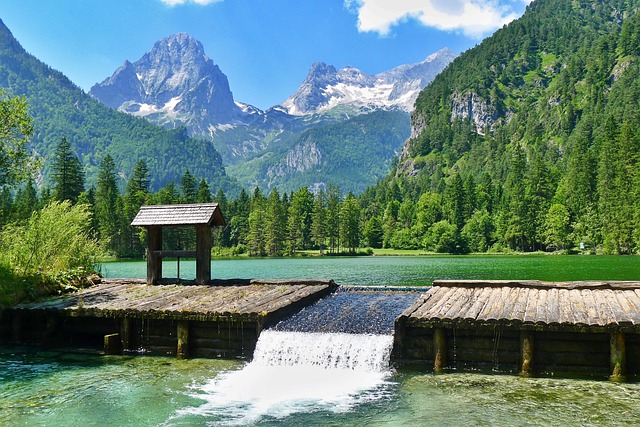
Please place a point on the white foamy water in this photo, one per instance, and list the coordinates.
(296, 372)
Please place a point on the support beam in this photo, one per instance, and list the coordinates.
(618, 356)
(203, 254)
(439, 350)
(154, 262)
(183, 339)
(526, 353)
(125, 333)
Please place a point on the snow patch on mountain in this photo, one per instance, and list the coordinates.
(326, 87)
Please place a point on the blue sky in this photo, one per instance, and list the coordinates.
(265, 47)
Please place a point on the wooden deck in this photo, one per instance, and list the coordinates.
(223, 319)
(599, 306)
(590, 328)
(250, 300)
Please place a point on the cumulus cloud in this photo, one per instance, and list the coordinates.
(181, 2)
(474, 18)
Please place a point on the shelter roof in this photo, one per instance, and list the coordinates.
(179, 215)
(545, 304)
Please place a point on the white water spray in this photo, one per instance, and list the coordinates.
(296, 372)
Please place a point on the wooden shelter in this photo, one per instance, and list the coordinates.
(201, 216)
(590, 327)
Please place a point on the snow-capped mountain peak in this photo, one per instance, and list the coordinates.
(326, 87)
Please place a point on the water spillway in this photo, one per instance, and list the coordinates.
(327, 358)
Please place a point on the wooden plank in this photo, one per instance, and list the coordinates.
(553, 306)
(620, 311)
(577, 308)
(489, 308)
(478, 305)
(541, 309)
(436, 296)
(520, 305)
(532, 306)
(592, 316)
(509, 297)
(464, 300)
(631, 303)
(565, 308)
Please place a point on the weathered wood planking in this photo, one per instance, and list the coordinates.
(538, 304)
(120, 298)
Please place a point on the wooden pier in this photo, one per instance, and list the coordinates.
(525, 326)
(123, 315)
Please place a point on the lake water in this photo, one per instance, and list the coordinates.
(401, 271)
(284, 384)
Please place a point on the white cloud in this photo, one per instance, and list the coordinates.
(474, 18)
(181, 2)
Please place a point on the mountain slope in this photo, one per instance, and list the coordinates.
(61, 109)
(531, 139)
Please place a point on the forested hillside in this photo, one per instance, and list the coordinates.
(60, 109)
(351, 154)
(528, 141)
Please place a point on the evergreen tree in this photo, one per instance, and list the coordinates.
(319, 221)
(108, 207)
(203, 193)
(189, 187)
(67, 174)
(350, 223)
(334, 196)
(26, 202)
(299, 220)
(274, 224)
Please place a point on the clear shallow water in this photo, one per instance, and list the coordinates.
(63, 389)
(403, 271)
(57, 389)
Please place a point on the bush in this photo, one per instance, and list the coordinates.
(52, 252)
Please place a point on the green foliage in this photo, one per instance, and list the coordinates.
(15, 130)
(51, 252)
(67, 175)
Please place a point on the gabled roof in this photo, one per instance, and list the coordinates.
(179, 215)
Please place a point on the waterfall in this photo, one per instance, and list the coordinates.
(308, 370)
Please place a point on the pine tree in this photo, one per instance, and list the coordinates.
(350, 223)
(334, 196)
(319, 221)
(109, 209)
(189, 187)
(274, 224)
(67, 174)
(203, 193)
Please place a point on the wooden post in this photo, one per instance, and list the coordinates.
(203, 254)
(154, 262)
(526, 353)
(125, 333)
(183, 339)
(618, 356)
(439, 350)
(112, 344)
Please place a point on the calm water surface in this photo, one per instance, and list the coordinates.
(403, 271)
(67, 389)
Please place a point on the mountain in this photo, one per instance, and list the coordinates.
(326, 88)
(174, 84)
(529, 141)
(61, 109)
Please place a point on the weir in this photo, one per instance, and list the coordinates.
(329, 356)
